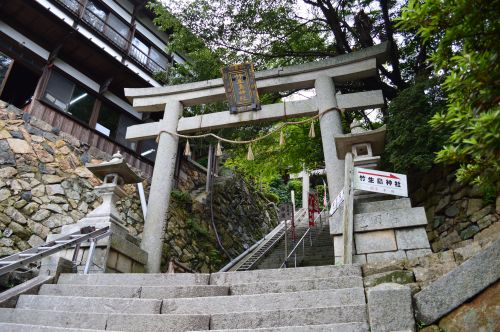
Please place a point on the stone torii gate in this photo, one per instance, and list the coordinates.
(321, 75)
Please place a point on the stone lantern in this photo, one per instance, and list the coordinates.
(114, 174)
(120, 252)
(379, 228)
(366, 146)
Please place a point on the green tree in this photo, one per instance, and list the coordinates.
(465, 34)
(274, 33)
(411, 141)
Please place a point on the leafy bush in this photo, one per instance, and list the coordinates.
(272, 197)
(464, 39)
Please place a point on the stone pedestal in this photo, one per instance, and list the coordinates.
(117, 253)
(383, 230)
(390, 308)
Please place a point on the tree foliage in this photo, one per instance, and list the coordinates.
(411, 142)
(272, 159)
(273, 33)
(465, 33)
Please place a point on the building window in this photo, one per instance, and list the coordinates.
(107, 23)
(148, 149)
(81, 104)
(117, 31)
(114, 123)
(69, 97)
(5, 65)
(72, 5)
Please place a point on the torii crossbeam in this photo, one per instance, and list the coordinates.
(321, 75)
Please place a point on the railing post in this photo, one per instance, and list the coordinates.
(347, 218)
(90, 256)
(286, 242)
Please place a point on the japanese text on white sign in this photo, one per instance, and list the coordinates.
(380, 182)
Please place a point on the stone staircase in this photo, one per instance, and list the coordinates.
(276, 256)
(321, 251)
(318, 249)
(323, 298)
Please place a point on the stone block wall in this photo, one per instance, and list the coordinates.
(457, 213)
(419, 272)
(241, 217)
(191, 175)
(392, 231)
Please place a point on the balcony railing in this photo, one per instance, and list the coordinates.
(106, 31)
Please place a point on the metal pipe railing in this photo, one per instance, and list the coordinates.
(270, 235)
(301, 241)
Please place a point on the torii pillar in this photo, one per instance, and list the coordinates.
(331, 126)
(161, 187)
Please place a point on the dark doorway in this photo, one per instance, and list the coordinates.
(19, 86)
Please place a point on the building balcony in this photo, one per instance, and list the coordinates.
(117, 33)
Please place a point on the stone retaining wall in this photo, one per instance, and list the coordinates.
(419, 272)
(456, 213)
(479, 314)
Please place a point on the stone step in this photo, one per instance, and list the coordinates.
(393, 204)
(293, 317)
(296, 285)
(101, 321)
(243, 277)
(341, 327)
(315, 263)
(89, 304)
(143, 292)
(318, 256)
(269, 301)
(136, 279)
(10, 327)
(324, 251)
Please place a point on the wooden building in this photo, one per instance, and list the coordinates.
(67, 62)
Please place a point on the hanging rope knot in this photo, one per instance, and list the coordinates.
(163, 131)
(331, 109)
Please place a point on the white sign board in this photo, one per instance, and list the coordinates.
(336, 202)
(380, 182)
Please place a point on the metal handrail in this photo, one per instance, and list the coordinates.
(134, 52)
(301, 241)
(268, 236)
(24, 258)
(278, 239)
